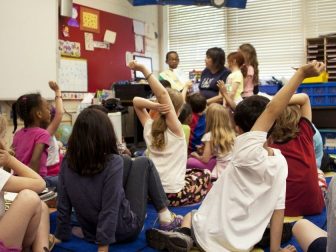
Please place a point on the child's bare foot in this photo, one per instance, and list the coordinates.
(77, 231)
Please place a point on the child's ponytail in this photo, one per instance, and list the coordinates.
(159, 125)
(14, 116)
(158, 129)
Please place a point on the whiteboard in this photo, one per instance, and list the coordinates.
(28, 47)
(73, 75)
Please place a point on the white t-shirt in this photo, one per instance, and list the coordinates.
(4, 176)
(53, 152)
(170, 162)
(236, 211)
(222, 160)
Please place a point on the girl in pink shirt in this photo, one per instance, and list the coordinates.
(251, 81)
(32, 141)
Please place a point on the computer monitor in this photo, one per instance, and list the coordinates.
(147, 61)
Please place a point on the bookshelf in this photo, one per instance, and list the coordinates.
(323, 49)
(331, 57)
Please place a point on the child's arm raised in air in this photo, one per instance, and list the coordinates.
(141, 105)
(59, 108)
(185, 89)
(162, 96)
(277, 105)
(303, 101)
(26, 178)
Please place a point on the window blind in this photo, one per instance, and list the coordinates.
(193, 30)
(320, 17)
(274, 28)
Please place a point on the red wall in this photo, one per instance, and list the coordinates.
(104, 66)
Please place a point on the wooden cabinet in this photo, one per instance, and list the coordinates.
(323, 49)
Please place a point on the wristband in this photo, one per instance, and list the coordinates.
(148, 76)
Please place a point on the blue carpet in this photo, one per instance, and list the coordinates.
(76, 244)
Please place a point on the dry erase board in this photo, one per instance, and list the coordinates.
(73, 75)
(28, 47)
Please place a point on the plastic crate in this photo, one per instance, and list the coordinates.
(269, 89)
(329, 140)
(320, 94)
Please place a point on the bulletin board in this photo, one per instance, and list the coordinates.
(104, 66)
(72, 75)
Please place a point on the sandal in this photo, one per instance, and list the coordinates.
(52, 241)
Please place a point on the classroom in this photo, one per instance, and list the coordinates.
(154, 125)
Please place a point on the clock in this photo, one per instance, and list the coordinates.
(218, 3)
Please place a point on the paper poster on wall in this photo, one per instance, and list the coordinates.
(88, 39)
(139, 27)
(139, 44)
(89, 20)
(72, 75)
(150, 30)
(128, 57)
(69, 48)
(110, 36)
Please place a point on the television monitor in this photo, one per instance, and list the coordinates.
(147, 61)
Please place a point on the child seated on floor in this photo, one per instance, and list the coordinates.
(25, 226)
(166, 143)
(197, 126)
(314, 239)
(185, 118)
(32, 141)
(108, 192)
(293, 135)
(218, 141)
(251, 191)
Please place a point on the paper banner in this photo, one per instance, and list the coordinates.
(100, 44)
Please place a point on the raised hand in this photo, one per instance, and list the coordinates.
(312, 69)
(136, 66)
(162, 108)
(54, 86)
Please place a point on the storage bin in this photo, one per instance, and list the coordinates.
(320, 94)
(323, 77)
(329, 140)
(269, 89)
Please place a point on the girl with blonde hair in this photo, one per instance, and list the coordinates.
(166, 143)
(218, 141)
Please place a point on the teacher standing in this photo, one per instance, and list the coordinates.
(213, 72)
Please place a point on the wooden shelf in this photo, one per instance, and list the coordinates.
(323, 49)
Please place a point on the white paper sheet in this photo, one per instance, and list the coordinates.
(139, 27)
(110, 36)
(139, 44)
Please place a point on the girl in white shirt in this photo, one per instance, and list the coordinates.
(218, 140)
(166, 143)
(25, 226)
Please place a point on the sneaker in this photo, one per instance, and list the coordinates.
(175, 223)
(172, 241)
